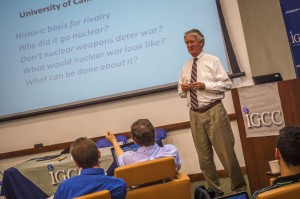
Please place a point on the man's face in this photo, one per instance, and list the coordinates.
(194, 47)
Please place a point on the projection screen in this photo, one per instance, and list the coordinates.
(63, 54)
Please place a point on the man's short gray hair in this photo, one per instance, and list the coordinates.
(196, 33)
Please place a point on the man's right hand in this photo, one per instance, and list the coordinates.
(185, 87)
(110, 137)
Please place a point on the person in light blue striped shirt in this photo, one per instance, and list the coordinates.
(143, 134)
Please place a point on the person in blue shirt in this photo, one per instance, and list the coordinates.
(143, 134)
(92, 178)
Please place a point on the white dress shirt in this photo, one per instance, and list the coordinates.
(211, 72)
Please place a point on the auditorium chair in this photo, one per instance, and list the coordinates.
(103, 142)
(160, 136)
(291, 191)
(155, 179)
(104, 194)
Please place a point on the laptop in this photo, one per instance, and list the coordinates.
(125, 147)
(239, 195)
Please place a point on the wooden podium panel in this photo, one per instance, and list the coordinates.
(289, 92)
(259, 150)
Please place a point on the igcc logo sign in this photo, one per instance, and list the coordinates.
(266, 118)
(295, 38)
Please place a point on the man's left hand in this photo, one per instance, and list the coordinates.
(198, 86)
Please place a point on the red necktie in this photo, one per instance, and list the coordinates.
(194, 101)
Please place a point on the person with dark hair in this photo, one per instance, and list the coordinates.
(92, 178)
(203, 82)
(287, 153)
(143, 134)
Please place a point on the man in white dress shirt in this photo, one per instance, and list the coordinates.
(209, 121)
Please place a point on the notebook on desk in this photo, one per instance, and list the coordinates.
(239, 195)
(125, 147)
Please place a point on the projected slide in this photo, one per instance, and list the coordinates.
(56, 53)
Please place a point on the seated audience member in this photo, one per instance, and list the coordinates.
(288, 155)
(143, 134)
(92, 178)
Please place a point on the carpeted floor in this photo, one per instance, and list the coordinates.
(225, 185)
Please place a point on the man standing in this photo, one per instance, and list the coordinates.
(203, 82)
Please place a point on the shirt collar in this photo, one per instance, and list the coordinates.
(292, 178)
(147, 148)
(92, 171)
(200, 55)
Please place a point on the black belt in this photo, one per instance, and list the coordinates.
(206, 108)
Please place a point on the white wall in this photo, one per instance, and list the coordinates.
(161, 108)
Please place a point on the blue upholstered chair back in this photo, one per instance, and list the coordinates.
(161, 134)
(103, 142)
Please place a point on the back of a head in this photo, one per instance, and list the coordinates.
(85, 153)
(143, 132)
(288, 143)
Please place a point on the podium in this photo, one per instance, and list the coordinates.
(259, 150)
